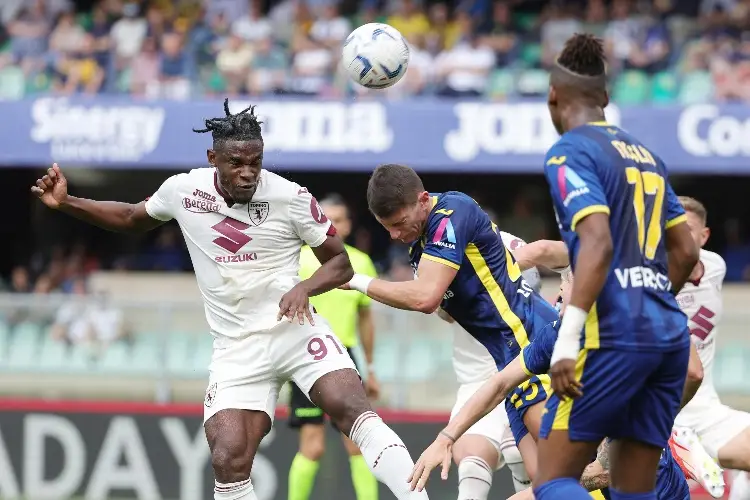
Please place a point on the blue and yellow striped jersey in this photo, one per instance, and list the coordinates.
(599, 168)
(488, 297)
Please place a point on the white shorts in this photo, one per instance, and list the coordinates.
(248, 373)
(492, 426)
(716, 426)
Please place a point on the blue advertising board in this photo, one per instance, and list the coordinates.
(434, 135)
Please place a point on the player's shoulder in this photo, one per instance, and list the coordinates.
(713, 263)
(453, 200)
(511, 241)
(572, 147)
(275, 188)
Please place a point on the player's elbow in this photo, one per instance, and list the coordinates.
(428, 302)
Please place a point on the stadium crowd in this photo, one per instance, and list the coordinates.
(660, 50)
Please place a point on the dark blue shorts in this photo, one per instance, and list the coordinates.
(626, 395)
(534, 391)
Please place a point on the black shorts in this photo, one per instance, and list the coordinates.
(301, 409)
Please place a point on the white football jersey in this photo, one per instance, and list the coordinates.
(701, 301)
(471, 360)
(245, 256)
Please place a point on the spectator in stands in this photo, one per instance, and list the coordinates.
(560, 24)
(595, 21)
(500, 34)
(28, 32)
(167, 253)
(79, 71)
(621, 36)
(268, 68)
(233, 61)
(330, 28)
(176, 68)
(252, 26)
(408, 19)
(144, 70)
(464, 70)
(312, 64)
(652, 50)
(418, 79)
(128, 34)
(71, 324)
(444, 33)
(67, 36)
(100, 31)
(106, 322)
(156, 23)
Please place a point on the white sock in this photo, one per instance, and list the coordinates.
(386, 455)
(740, 489)
(242, 490)
(474, 479)
(514, 462)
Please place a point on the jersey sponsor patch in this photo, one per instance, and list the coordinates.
(445, 236)
(567, 176)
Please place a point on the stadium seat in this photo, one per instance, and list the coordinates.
(80, 359)
(419, 353)
(180, 352)
(147, 355)
(12, 83)
(3, 341)
(501, 84)
(202, 357)
(122, 83)
(53, 354)
(24, 347)
(533, 82)
(38, 83)
(696, 87)
(728, 364)
(386, 359)
(664, 88)
(531, 55)
(631, 87)
(117, 358)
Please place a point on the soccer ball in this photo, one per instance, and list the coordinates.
(375, 55)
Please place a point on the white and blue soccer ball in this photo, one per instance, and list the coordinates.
(375, 55)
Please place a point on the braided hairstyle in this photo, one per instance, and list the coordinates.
(584, 55)
(243, 126)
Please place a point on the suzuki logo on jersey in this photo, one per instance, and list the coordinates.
(703, 325)
(565, 176)
(642, 277)
(232, 238)
(445, 236)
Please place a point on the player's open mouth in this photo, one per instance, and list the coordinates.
(249, 187)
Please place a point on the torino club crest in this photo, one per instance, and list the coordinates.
(258, 212)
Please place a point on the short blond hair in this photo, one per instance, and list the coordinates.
(694, 206)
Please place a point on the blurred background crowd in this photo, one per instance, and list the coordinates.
(662, 50)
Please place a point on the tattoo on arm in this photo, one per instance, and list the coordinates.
(602, 456)
(594, 478)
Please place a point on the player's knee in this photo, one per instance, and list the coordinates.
(231, 462)
(312, 442)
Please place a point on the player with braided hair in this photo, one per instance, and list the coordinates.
(620, 361)
(245, 228)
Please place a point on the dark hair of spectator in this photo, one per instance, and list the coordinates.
(584, 55)
(243, 126)
(392, 187)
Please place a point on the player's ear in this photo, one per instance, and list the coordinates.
(211, 157)
(423, 197)
(706, 234)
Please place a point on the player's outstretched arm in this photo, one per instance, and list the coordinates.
(335, 269)
(694, 377)
(480, 404)
(52, 190)
(542, 253)
(422, 294)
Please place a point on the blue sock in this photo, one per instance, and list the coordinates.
(618, 495)
(566, 488)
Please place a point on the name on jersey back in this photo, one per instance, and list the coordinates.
(642, 277)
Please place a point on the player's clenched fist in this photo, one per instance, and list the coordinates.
(52, 189)
(296, 304)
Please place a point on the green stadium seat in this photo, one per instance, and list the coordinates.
(123, 81)
(420, 356)
(53, 354)
(80, 359)
(39, 83)
(4, 339)
(12, 83)
(148, 354)
(664, 88)
(533, 82)
(180, 352)
(525, 21)
(531, 54)
(386, 355)
(696, 87)
(631, 87)
(117, 358)
(501, 84)
(24, 347)
(202, 358)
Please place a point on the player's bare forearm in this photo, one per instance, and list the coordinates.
(594, 477)
(593, 260)
(682, 255)
(366, 327)
(694, 377)
(408, 295)
(335, 269)
(542, 253)
(487, 398)
(111, 215)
